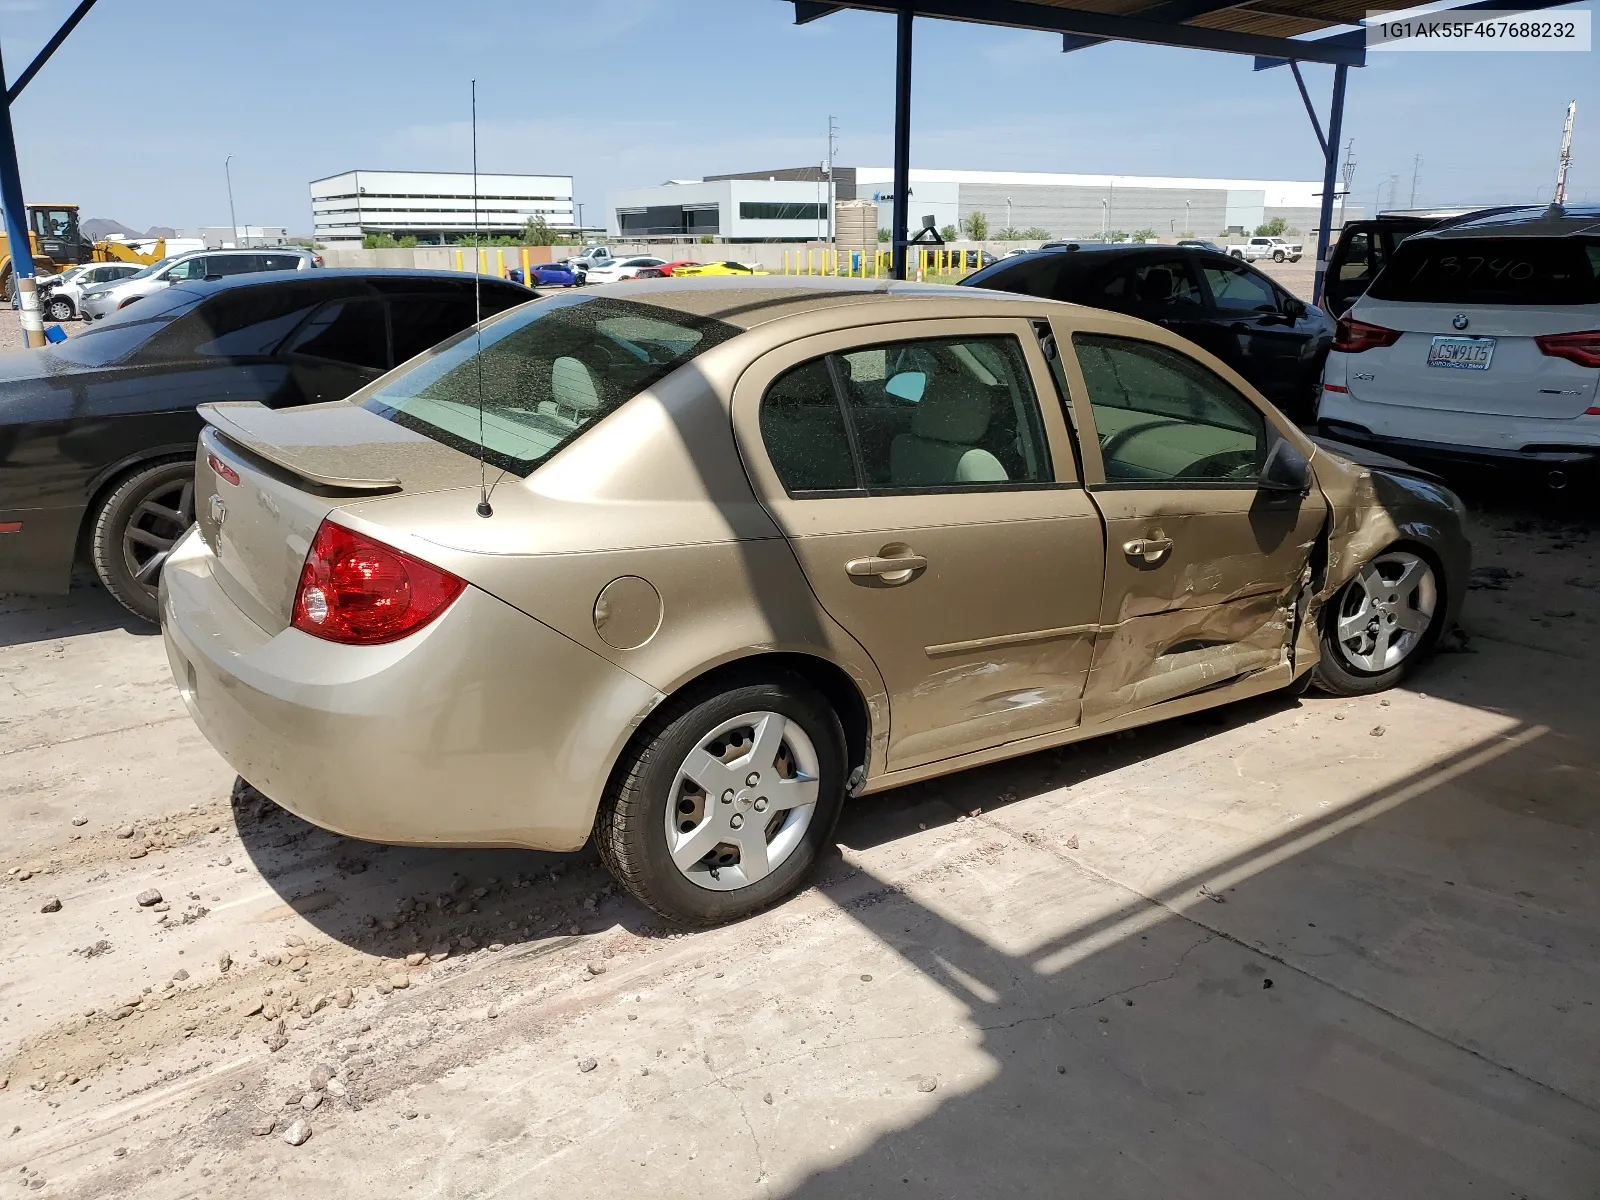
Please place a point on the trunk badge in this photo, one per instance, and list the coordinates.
(1459, 320)
(219, 510)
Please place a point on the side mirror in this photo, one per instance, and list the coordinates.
(907, 386)
(1287, 471)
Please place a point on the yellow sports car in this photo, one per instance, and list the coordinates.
(716, 268)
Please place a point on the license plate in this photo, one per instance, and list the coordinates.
(1462, 353)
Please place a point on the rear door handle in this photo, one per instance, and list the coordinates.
(1151, 549)
(898, 569)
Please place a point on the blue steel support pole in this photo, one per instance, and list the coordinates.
(16, 216)
(1330, 175)
(901, 207)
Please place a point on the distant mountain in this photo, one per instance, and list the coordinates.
(96, 228)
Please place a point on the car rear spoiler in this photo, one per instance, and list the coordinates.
(247, 424)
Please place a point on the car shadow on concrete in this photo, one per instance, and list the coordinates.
(392, 901)
(87, 608)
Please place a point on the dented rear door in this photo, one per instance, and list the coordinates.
(1203, 568)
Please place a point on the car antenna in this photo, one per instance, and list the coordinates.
(484, 509)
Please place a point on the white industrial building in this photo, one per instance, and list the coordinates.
(435, 206)
(792, 204)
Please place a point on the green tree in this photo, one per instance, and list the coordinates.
(1144, 235)
(1008, 234)
(883, 235)
(1276, 227)
(706, 239)
(977, 226)
(1116, 235)
(379, 241)
(949, 233)
(537, 232)
(1034, 234)
(408, 242)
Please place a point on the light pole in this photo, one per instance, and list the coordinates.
(1008, 212)
(228, 174)
(1188, 225)
(579, 204)
(1105, 218)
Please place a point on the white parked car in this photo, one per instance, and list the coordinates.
(1478, 342)
(1275, 248)
(104, 299)
(61, 296)
(622, 268)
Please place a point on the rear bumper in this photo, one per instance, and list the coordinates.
(38, 557)
(486, 728)
(1570, 460)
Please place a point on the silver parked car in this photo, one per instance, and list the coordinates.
(105, 299)
(61, 296)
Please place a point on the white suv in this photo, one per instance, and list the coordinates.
(1479, 342)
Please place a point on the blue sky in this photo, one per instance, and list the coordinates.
(135, 114)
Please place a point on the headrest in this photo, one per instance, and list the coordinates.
(952, 410)
(572, 385)
(1157, 285)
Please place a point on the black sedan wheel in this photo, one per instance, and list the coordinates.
(137, 527)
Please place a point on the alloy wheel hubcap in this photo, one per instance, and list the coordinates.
(742, 801)
(1385, 611)
(161, 518)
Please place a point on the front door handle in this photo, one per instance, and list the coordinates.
(898, 569)
(1150, 549)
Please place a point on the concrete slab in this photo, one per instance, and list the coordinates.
(1265, 951)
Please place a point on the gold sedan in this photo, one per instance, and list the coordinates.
(683, 565)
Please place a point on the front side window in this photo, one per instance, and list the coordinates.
(1164, 284)
(938, 413)
(534, 379)
(1162, 418)
(189, 268)
(1238, 289)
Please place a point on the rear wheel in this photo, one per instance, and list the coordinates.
(1380, 625)
(725, 801)
(136, 528)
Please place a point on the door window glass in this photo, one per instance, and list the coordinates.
(1362, 257)
(346, 331)
(279, 262)
(802, 427)
(1164, 284)
(235, 322)
(232, 264)
(189, 268)
(422, 322)
(946, 412)
(1163, 418)
(1236, 288)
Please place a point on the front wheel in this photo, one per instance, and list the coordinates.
(724, 802)
(137, 527)
(1277, 256)
(1379, 625)
(60, 309)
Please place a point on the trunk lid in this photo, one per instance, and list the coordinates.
(282, 472)
(1520, 381)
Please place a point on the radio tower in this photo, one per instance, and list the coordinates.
(1566, 155)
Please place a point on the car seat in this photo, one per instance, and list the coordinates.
(942, 447)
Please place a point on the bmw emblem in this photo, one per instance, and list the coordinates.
(1459, 320)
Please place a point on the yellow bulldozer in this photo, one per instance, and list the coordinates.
(57, 243)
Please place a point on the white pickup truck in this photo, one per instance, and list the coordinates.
(1274, 248)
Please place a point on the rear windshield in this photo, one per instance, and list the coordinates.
(1523, 270)
(533, 380)
(123, 334)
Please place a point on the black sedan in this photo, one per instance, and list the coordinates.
(1275, 340)
(98, 433)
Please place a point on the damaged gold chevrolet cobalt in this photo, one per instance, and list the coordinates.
(682, 566)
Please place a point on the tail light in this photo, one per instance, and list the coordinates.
(357, 591)
(1352, 336)
(316, 261)
(222, 469)
(1581, 348)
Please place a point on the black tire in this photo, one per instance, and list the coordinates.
(131, 526)
(630, 831)
(60, 309)
(1277, 256)
(1336, 677)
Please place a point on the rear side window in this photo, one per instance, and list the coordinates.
(237, 322)
(232, 264)
(537, 377)
(940, 413)
(280, 262)
(1521, 270)
(345, 331)
(422, 322)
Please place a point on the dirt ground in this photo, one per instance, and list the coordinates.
(1315, 948)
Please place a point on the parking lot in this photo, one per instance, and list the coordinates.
(1289, 948)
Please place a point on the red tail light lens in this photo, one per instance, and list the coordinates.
(1581, 348)
(222, 469)
(1352, 336)
(357, 591)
